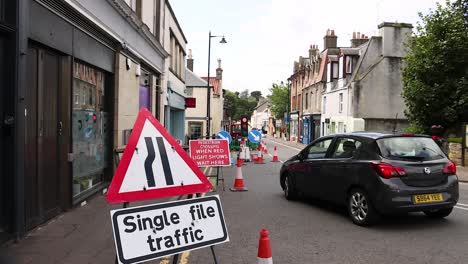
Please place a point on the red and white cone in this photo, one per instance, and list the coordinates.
(265, 149)
(275, 155)
(260, 158)
(264, 249)
(241, 156)
(239, 181)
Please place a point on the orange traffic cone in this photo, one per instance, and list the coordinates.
(242, 156)
(260, 158)
(239, 181)
(265, 149)
(264, 249)
(275, 155)
(240, 162)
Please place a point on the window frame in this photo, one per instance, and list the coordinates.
(345, 138)
(305, 153)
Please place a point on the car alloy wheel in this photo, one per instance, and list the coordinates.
(360, 208)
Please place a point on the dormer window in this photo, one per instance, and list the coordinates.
(335, 70)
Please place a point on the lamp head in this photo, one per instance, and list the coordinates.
(223, 41)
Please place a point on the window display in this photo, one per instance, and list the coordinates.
(90, 128)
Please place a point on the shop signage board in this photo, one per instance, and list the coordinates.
(255, 136)
(224, 135)
(153, 231)
(210, 152)
(154, 165)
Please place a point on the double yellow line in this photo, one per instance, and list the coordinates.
(184, 257)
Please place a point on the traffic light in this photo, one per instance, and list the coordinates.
(244, 126)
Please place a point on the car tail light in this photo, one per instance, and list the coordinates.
(388, 171)
(450, 169)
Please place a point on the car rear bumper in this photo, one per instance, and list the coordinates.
(396, 197)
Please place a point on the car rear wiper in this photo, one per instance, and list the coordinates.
(411, 157)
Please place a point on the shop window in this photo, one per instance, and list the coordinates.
(145, 91)
(90, 128)
(195, 130)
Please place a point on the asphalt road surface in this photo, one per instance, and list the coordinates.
(309, 231)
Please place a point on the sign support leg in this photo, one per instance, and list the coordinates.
(214, 255)
(125, 205)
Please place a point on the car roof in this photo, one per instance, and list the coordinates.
(376, 135)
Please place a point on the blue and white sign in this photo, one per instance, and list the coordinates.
(255, 136)
(224, 135)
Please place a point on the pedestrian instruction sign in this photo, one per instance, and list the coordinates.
(153, 231)
(211, 152)
(154, 165)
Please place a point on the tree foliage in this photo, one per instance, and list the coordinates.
(279, 99)
(435, 78)
(239, 104)
(256, 94)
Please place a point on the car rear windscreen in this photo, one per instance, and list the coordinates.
(410, 148)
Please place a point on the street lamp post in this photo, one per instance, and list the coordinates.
(208, 89)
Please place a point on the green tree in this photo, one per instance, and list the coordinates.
(279, 99)
(230, 103)
(435, 78)
(245, 105)
(256, 94)
(239, 104)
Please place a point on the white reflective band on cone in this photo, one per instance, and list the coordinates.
(265, 261)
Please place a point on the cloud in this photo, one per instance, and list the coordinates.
(265, 38)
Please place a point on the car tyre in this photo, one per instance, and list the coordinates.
(360, 208)
(441, 213)
(289, 189)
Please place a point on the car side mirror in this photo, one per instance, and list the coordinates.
(301, 156)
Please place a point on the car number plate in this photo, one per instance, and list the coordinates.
(428, 198)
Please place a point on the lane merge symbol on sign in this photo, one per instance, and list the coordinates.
(154, 165)
(153, 231)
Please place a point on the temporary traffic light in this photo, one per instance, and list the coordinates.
(244, 126)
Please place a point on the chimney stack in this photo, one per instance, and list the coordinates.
(190, 60)
(219, 71)
(330, 40)
(358, 39)
(312, 51)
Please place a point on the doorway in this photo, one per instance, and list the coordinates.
(42, 133)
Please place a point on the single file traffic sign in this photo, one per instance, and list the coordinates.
(153, 231)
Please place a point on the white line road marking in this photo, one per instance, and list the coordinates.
(462, 204)
(462, 208)
(285, 145)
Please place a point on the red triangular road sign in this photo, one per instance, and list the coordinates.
(154, 165)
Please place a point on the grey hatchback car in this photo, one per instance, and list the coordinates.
(374, 174)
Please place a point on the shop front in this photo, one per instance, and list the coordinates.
(294, 125)
(175, 115)
(68, 104)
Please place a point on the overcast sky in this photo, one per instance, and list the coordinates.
(265, 37)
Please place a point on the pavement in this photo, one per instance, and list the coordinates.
(304, 231)
(462, 172)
